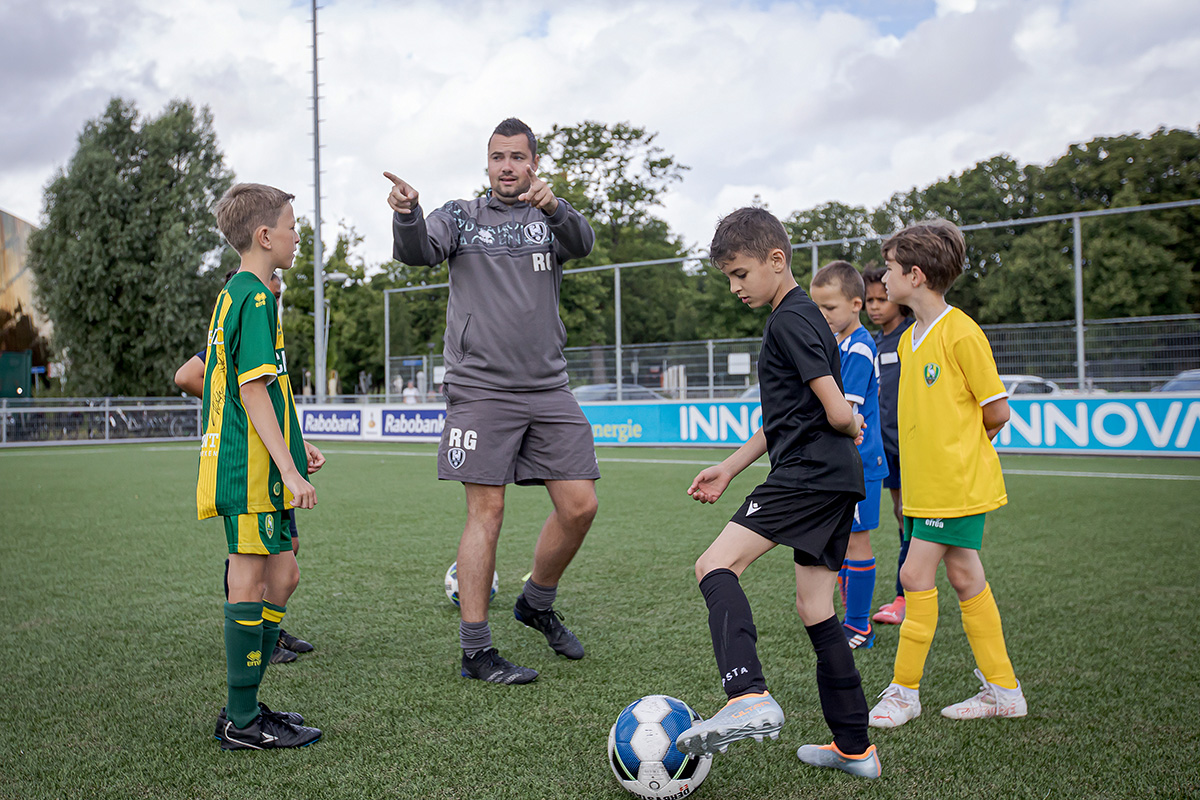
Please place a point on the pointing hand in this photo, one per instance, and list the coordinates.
(539, 194)
(403, 198)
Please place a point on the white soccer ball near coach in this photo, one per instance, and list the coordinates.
(452, 584)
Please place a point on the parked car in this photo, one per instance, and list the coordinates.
(750, 394)
(606, 392)
(1028, 384)
(1186, 381)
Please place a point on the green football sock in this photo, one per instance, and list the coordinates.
(244, 660)
(272, 620)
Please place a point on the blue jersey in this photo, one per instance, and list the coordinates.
(860, 383)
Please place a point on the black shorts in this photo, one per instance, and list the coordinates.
(815, 524)
(892, 481)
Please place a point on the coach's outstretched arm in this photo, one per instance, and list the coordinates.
(415, 240)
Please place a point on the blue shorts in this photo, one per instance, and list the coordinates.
(892, 481)
(866, 513)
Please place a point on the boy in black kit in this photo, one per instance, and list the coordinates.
(806, 503)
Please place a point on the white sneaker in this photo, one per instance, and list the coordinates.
(991, 701)
(899, 705)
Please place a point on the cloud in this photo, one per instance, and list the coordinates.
(801, 103)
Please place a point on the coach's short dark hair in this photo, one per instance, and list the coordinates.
(936, 246)
(875, 275)
(750, 231)
(245, 208)
(845, 276)
(514, 127)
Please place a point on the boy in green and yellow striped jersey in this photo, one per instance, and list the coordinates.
(253, 460)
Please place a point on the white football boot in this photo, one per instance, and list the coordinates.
(991, 701)
(898, 705)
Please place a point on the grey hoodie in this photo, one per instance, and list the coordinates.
(503, 330)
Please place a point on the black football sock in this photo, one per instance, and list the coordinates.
(839, 687)
(734, 637)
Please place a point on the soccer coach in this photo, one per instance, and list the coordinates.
(510, 416)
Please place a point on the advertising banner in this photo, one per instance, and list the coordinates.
(326, 421)
(1124, 424)
(409, 424)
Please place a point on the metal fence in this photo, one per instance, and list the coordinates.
(103, 419)
(1080, 357)
(1133, 354)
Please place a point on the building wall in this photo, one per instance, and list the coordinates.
(21, 326)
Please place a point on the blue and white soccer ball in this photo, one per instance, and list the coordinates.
(642, 752)
(452, 584)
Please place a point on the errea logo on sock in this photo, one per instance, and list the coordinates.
(254, 658)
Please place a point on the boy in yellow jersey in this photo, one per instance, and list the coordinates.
(951, 404)
(253, 460)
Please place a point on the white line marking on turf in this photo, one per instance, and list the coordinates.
(695, 463)
(1132, 475)
(676, 461)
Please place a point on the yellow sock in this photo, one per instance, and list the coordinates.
(916, 635)
(981, 621)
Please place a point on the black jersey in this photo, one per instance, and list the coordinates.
(889, 383)
(797, 347)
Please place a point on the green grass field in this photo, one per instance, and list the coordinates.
(112, 666)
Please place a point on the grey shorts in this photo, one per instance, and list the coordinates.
(495, 437)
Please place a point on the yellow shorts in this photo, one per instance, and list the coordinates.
(264, 534)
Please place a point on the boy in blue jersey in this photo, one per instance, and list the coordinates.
(838, 291)
(893, 320)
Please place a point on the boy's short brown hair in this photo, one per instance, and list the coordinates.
(749, 231)
(936, 246)
(245, 208)
(845, 277)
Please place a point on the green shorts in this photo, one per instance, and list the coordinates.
(954, 531)
(263, 534)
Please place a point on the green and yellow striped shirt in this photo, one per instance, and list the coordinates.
(245, 342)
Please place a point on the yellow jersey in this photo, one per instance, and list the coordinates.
(948, 466)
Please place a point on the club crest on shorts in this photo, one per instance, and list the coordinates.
(536, 233)
(270, 525)
(932, 371)
(456, 456)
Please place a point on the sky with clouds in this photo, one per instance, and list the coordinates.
(798, 102)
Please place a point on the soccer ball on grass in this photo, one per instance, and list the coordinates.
(642, 752)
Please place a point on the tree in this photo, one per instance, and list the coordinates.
(615, 176)
(125, 262)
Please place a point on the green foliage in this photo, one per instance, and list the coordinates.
(124, 262)
(615, 176)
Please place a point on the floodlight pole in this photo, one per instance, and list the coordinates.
(318, 250)
(617, 326)
(1080, 355)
